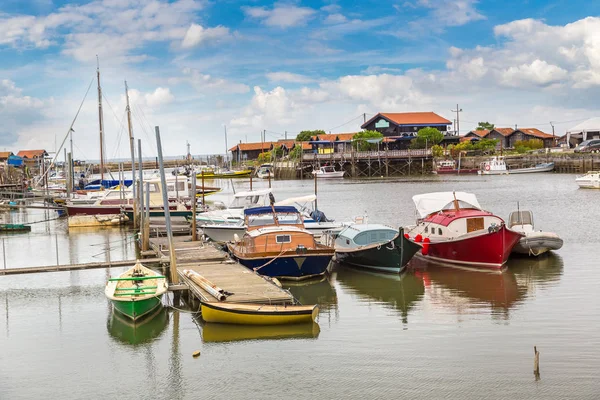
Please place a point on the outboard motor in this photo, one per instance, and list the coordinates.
(319, 216)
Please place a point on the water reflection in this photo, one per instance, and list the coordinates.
(315, 292)
(537, 272)
(401, 292)
(458, 288)
(216, 333)
(126, 331)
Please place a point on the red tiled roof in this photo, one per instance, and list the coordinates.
(305, 145)
(467, 138)
(32, 153)
(504, 131)
(252, 146)
(480, 132)
(5, 154)
(536, 132)
(334, 137)
(287, 143)
(411, 118)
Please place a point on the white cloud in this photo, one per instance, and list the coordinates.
(283, 76)
(376, 69)
(335, 19)
(453, 12)
(281, 15)
(537, 72)
(196, 34)
(205, 83)
(17, 111)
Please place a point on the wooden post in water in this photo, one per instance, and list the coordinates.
(141, 220)
(250, 182)
(69, 175)
(316, 207)
(174, 278)
(203, 203)
(536, 363)
(269, 177)
(194, 233)
(146, 242)
(141, 183)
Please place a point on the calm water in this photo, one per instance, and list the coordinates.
(434, 332)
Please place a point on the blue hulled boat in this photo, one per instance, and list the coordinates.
(276, 244)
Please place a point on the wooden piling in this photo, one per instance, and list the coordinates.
(203, 203)
(174, 277)
(316, 207)
(536, 362)
(146, 237)
(194, 233)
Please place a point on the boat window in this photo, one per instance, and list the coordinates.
(474, 224)
(426, 228)
(283, 239)
(439, 231)
(267, 219)
(153, 187)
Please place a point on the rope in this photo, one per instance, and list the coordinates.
(44, 220)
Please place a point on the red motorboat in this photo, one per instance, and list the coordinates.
(455, 229)
(449, 167)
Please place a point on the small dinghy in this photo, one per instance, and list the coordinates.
(136, 292)
(257, 314)
(535, 242)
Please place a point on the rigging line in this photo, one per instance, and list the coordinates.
(116, 118)
(68, 132)
(144, 129)
(142, 118)
(119, 136)
(345, 123)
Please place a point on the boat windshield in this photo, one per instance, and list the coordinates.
(328, 169)
(246, 201)
(267, 219)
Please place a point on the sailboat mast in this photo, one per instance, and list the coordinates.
(131, 141)
(226, 150)
(100, 122)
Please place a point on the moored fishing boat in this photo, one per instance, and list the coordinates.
(455, 229)
(450, 167)
(257, 314)
(535, 242)
(136, 292)
(328, 171)
(374, 247)
(591, 180)
(265, 171)
(276, 244)
(15, 228)
(497, 166)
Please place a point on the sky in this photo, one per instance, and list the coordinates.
(198, 68)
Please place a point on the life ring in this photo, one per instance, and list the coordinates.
(487, 167)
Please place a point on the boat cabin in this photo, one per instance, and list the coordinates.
(255, 198)
(278, 231)
(328, 169)
(521, 221)
(496, 164)
(448, 215)
(361, 235)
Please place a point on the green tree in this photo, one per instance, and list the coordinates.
(295, 153)
(264, 158)
(305, 136)
(437, 150)
(484, 125)
(486, 144)
(427, 137)
(359, 140)
(277, 151)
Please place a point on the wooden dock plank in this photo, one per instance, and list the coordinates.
(74, 267)
(246, 285)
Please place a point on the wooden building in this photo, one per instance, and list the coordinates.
(4, 155)
(332, 142)
(507, 137)
(32, 154)
(249, 151)
(403, 127)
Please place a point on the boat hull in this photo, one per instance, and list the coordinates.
(456, 171)
(330, 175)
(538, 243)
(161, 213)
(258, 314)
(291, 266)
(136, 309)
(83, 209)
(487, 250)
(390, 257)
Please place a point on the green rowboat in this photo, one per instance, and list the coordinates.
(136, 292)
(14, 228)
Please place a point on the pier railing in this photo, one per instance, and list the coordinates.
(358, 155)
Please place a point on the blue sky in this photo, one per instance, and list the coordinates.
(194, 67)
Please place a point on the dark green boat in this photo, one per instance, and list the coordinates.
(14, 228)
(374, 247)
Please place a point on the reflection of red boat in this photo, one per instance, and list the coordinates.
(449, 167)
(454, 229)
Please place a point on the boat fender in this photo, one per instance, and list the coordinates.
(407, 236)
(418, 238)
(425, 249)
(196, 354)
(236, 238)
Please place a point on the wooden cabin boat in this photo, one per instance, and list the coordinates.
(136, 292)
(497, 166)
(374, 247)
(591, 180)
(328, 171)
(257, 314)
(277, 244)
(455, 229)
(535, 242)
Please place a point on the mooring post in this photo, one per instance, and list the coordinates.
(536, 362)
(56, 243)
(194, 233)
(250, 182)
(269, 177)
(203, 203)
(142, 214)
(316, 207)
(4, 253)
(140, 192)
(165, 195)
(146, 237)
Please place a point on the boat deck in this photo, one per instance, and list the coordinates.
(216, 266)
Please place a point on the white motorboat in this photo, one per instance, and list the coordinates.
(591, 180)
(497, 166)
(535, 242)
(234, 213)
(328, 171)
(265, 171)
(315, 221)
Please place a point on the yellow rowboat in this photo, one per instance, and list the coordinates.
(225, 175)
(257, 314)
